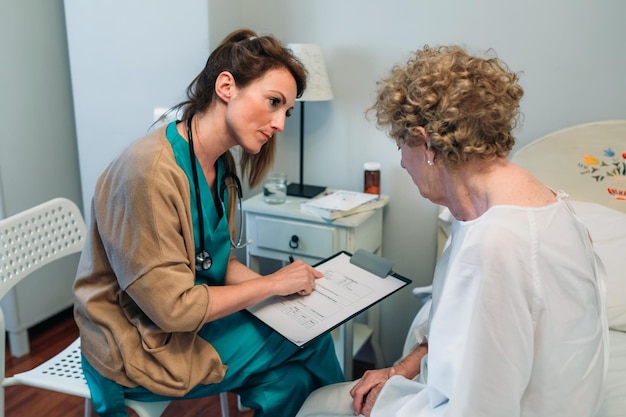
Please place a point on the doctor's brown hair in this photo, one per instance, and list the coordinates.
(247, 57)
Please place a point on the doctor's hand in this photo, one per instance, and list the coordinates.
(296, 278)
(366, 390)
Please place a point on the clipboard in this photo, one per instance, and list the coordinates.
(351, 284)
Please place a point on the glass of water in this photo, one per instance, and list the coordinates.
(275, 188)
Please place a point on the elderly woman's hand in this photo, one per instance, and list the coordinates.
(366, 390)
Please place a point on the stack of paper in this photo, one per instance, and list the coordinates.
(343, 203)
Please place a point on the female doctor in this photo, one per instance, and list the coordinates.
(159, 298)
(517, 325)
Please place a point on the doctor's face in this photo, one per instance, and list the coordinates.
(256, 112)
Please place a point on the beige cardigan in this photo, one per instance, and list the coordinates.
(136, 303)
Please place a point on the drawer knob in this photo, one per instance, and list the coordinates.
(293, 243)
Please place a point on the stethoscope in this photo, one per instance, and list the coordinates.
(204, 261)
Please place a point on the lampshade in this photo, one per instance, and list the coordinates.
(317, 83)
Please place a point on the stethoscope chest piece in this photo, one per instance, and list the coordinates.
(203, 261)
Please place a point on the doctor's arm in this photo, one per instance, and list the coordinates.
(236, 272)
(245, 288)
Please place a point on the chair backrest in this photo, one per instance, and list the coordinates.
(37, 236)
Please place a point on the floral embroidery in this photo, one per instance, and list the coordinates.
(617, 188)
(610, 165)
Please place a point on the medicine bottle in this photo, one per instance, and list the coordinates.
(371, 177)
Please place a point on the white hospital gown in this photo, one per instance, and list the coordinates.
(518, 325)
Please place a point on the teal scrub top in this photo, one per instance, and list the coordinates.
(216, 233)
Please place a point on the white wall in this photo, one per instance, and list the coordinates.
(126, 59)
(38, 158)
(138, 55)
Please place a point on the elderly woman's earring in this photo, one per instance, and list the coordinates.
(429, 162)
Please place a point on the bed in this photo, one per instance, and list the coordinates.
(588, 162)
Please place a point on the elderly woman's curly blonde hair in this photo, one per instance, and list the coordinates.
(467, 105)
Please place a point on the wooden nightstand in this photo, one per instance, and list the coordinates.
(280, 230)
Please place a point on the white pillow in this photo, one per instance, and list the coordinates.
(607, 228)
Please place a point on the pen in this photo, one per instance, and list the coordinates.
(291, 259)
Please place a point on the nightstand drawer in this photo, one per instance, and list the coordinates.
(313, 240)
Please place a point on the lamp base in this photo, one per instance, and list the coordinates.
(303, 190)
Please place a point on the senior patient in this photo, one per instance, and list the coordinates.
(517, 325)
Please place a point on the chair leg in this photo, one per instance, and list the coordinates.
(88, 408)
(2, 398)
(240, 406)
(18, 343)
(224, 404)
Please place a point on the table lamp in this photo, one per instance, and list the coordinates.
(317, 89)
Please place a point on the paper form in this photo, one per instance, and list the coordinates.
(343, 292)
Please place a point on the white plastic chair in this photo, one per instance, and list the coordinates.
(28, 241)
